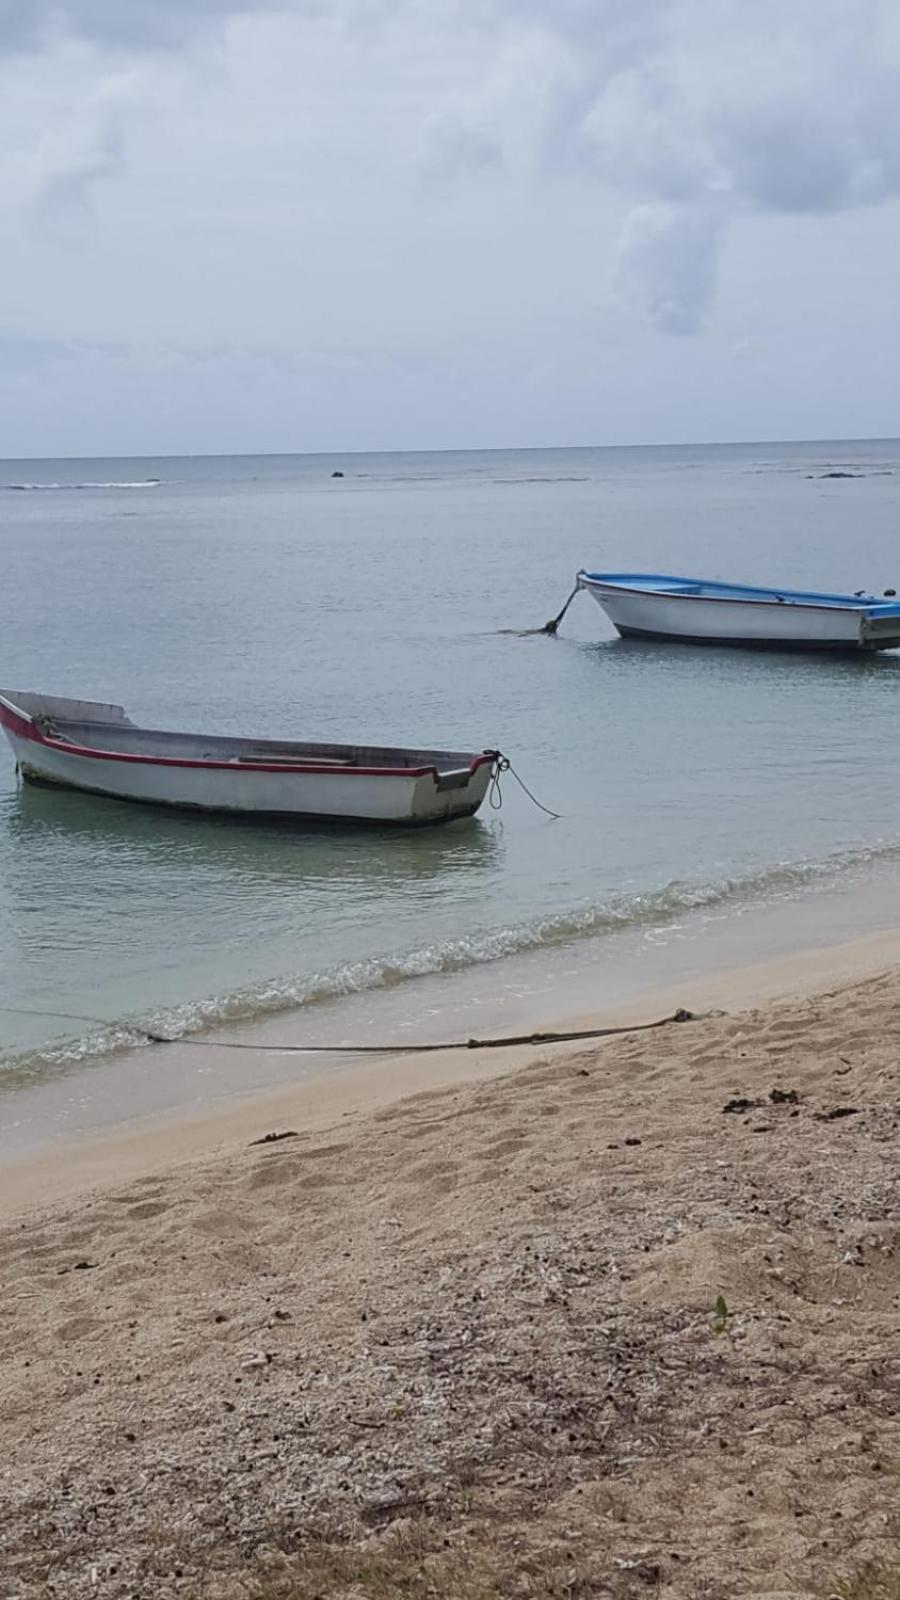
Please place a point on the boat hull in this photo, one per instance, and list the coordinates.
(750, 624)
(419, 797)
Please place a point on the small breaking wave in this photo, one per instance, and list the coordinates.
(62, 488)
(822, 469)
(556, 477)
(658, 908)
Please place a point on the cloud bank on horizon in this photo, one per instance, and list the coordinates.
(672, 122)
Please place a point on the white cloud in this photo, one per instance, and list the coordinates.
(446, 183)
(709, 111)
(667, 262)
(779, 108)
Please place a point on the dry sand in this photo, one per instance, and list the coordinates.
(464, 1344)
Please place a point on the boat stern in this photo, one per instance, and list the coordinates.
(879, 628)
(443, 796)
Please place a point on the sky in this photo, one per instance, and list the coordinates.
(233, 225)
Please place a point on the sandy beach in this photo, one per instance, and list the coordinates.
(616, 1318)
(449, 834)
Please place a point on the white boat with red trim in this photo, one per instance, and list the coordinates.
(94, 747)
(698, 611)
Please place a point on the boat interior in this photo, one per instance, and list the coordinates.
(106, 727)
(699, 588)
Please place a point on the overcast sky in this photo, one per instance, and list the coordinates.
(227, 225)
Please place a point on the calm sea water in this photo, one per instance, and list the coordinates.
(261, 595)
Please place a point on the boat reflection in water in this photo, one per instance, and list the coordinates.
(122, 911)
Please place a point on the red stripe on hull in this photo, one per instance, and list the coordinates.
(25, 728)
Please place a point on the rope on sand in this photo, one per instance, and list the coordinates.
(508, 1040)
(561, 1037)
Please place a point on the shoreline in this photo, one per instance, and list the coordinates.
(95, 1096)
(95, 1093)
(321, 1100)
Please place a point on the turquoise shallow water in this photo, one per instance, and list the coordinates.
(260, 595)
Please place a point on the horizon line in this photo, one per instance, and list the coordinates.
(469, 450)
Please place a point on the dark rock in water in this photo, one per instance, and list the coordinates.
(337, 474)
(842, 474)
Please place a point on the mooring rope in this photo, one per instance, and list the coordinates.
(62, 1016)
(426, 1049)
(552, 626)
(549, 627)
(504, 1042)
(495, 796)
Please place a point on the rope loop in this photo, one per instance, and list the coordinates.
(503, 764)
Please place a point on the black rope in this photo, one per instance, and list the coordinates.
(503, 764)
(558, 1037)
(63, 1016)
(533, 798)
(552, 626)
(549, 627)
(424, 1049)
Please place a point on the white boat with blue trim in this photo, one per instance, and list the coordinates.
(94, 747)
(699, 611)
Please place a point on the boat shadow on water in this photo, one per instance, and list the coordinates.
(158, 891)
(639, 656)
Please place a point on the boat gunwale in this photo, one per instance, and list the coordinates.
(27, 726)
(740, 594)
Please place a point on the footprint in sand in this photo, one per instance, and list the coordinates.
(410, 1107)
(422, 1127)
(147, 1209)
(77, 1328)
(274, 1174)
(501, 1148)
(143, 1189)
(221, 1224)
(440, 1176)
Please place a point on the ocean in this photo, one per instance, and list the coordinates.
(262, 595)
